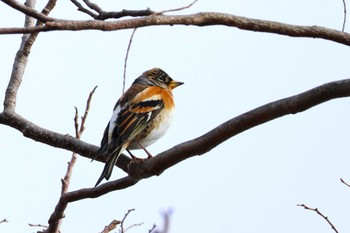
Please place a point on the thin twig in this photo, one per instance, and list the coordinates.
(176, 9)
(4, 221)
(103, 15)
(344, 20)
(66, 180)
(344, 182)
(319, 213)
(122, 222)
(78, 133)
(126, 58)
(132, 36)
(153, 227)
(83, 9)
(37, 225)
(76, 122)
(87, 108)
(133, 225)
(93, 6)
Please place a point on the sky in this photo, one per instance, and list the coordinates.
(250, 183)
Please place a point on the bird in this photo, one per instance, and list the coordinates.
(140, 117)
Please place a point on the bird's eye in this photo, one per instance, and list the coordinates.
(162, 79)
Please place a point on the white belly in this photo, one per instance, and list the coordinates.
(157, 132)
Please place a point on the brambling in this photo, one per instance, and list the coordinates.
(140, 117)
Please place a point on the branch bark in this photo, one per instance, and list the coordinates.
(199, 19)
(198, 146)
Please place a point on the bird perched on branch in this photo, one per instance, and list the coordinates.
(140, 117)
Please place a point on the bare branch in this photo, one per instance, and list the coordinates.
(319, 213)
(66, 180)
(103, 15)
(76, 122)
(153, 227)
(83, 9)
(133, 33)
(126, 58)
(123, 220)
(199, 19)
(87, 108)
(133, 225)
(176, 9)
(14, 30)
(198, 146)
(344, 20)
(4, 221)
(21, 58)
(19, 65)
(37, 225)
(28, 10)
(86, 193)
(124, 13)
(93, 6)
(111, 226)
(344, 182)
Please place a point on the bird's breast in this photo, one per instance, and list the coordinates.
(155, 130)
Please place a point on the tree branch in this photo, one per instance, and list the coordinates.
(19, 65)
(28, 10)
(344, 17)
(86, 193)
(4, 221)
(344, 182)
(199, 19)
(198, 146)
(138, 170)
(322, 215)
(78, 133)
(21, 58)
(110, 227)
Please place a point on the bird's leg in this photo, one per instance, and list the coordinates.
(148, 154)
(131, 155)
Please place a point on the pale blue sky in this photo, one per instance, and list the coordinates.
(250, 183)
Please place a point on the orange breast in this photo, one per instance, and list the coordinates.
(156, 93)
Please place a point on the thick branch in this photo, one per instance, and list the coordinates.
(199, 19)
(64, 141)
(198, 146)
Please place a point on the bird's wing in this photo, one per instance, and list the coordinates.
(130, 120)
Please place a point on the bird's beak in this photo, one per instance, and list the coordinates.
(173, 84)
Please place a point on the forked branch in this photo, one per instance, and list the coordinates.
(198, 19)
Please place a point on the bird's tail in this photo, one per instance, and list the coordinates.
(107, 170)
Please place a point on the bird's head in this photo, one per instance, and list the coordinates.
(158, 77)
